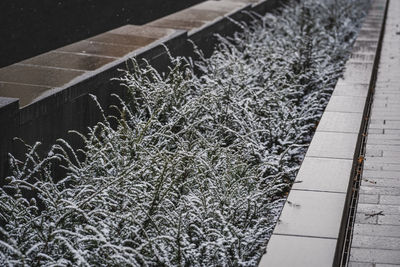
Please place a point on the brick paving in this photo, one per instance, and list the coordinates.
(376, 238)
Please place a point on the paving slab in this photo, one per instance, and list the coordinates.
(312, 214)
(199, 15)
(381, 182)
(364, 241)
(196, 14)
(345, 89)
(389, 220)
(225, 6)
(123, 39)
(344, 122)
(368, 199)
(352, 104)
(25, 92)
(381, 190)
(377, 230)
(97, 48)
(381, 174)
(385, 148)
(364, 47)
(38, 75)
(375, 255)
(323, 174)
(333, 145)
(67, 60)
(391, 200)
(362, 58)
(138, 36)
(358, 72)
(360, 264)
(289, 251)
(144, 31)
(178, 24)
(376, 208)
(366, 219)
(244, 1)
(383, 159)
(370, 34)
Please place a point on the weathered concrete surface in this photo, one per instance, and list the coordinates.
(49, 24)
(32, 78)
(376, 236)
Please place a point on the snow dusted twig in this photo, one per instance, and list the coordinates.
(198, 164)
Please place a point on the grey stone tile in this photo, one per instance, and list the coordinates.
(363, 47)
(385, 126)
(391, 200)
(340, 122)
(343, 88)
(381, 182)
(377, 208)
(374, 153)
(310, 213)
(389, 220)
(377, 230)
(381, 166)
(191, 14)
(289, 251)
(123, 39)
(381, 174)
(333, 145)
(68, 60)
(358, 72)
(225, 6)
(376, 131)
(322, 174)
(368, 181)
(380, 190)
(361, 58)
(198, 15)
(244, 1)
(391, 153)
(378, 242)
(145, 31)
(96, 48)
(375, 255)
(360, 264)
(25, 93)
(36, 75)
(346, 104)
(368, 199)
(383, 147)
(392, 131)
(362, 218)
(383, 136)
(177, 24)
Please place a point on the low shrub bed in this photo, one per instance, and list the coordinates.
(195, 169)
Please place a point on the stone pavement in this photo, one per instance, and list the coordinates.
(376, 236)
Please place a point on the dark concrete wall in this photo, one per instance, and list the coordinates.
(32, 27)
(71, 108)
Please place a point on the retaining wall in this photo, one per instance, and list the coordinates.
(31, 27)
(53, 88)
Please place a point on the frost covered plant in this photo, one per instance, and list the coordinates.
(194, 169)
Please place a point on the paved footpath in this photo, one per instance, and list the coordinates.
(376, 239)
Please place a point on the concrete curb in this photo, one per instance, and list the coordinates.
(311, 227)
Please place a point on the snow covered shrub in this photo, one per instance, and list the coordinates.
(195, 171)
